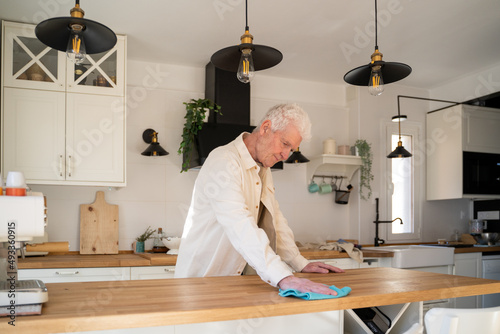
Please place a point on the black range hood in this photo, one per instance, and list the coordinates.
(233, 96)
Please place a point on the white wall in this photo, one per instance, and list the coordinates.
(158, 195)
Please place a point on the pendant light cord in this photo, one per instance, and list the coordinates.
(376, 27)
(246, 15)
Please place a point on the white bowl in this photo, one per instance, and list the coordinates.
(172, 242)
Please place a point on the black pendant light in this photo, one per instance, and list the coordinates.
(75, 35)
(296, 158)
(400, 151)
(246, 58)
(377, 72)
(150, 136)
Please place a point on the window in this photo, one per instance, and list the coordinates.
(403, 183)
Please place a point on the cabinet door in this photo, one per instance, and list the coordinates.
(102, 73)
(481, 130)
(156, 272)
(469, 265)
(28, 63)
(33, 134)
(95, 139)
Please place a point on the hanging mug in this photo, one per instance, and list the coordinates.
(313, 187)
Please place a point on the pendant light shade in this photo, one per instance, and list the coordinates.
(246, 58)
(150, 136)
(296, 158)
(400, 151)
(378, 72)
(75, 35)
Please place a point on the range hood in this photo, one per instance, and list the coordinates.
(233, 96)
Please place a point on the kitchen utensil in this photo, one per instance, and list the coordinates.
(313, 187)
(99, 227)
(476, 226)
(61, 246)
(489, 239)
(344, 150)
(172, 243)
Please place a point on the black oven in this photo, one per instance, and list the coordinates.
(481, 173)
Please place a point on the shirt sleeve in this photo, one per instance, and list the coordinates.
(226, 190)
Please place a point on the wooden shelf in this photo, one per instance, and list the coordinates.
(333, 164)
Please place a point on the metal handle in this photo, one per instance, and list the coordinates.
(67, 273)
(60, 165)
(69, 166)
(169, 270)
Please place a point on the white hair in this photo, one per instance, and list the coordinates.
(282, 115)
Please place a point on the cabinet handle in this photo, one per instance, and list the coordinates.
(169, 270)
(60, 165)
(69, 166)
(67, 273)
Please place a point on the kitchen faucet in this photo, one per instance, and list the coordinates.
(379, 241)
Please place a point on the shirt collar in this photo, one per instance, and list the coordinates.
(247, 160)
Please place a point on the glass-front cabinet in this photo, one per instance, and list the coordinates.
(101, 73)
(61, 123)
(28, 63)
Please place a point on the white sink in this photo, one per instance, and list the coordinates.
(416, 256)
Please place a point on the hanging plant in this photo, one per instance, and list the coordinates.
(196, 112)
(366, 176)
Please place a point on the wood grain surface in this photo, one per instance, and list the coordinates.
(99, 227)
(143, 303)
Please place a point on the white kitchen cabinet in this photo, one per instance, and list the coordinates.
(340, 263)
(65, 275)
(468, 264)
(155, 272)
(62, 124)
(450, 132)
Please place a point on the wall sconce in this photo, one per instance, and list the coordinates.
(296, 158)
(150, 136)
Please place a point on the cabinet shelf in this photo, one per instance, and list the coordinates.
(333, 164)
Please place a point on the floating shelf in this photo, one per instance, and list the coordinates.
(333, 164)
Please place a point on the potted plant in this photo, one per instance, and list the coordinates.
(365, 152)
(138, 245)
(196, 112)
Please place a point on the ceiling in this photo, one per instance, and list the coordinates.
(320, 39)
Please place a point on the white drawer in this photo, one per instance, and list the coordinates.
(62, 275)
(156, 272)
(340, 263)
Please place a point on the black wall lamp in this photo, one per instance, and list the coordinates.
(246, 58)
(75, 35)
(400, 151)
(377, 72)
(150, 136)
(296, 158)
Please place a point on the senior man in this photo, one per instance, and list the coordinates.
(234, 225)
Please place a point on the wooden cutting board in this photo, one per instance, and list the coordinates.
(99, 227)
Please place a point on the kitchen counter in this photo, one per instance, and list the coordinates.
(148, 259)
(146, 303)
(160, 259)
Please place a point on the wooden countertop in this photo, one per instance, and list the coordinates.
(142, 303)
(147, 259)
(160, 259)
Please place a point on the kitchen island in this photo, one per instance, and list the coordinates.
(180, 304)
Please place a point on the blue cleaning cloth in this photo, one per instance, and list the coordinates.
(315, 296)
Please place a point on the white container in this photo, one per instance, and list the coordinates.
(329, 146)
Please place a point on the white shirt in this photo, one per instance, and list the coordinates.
(221, 234)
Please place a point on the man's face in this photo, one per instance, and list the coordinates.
(276, 146)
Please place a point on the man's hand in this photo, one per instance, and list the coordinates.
(304, 285)
(320, 267)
